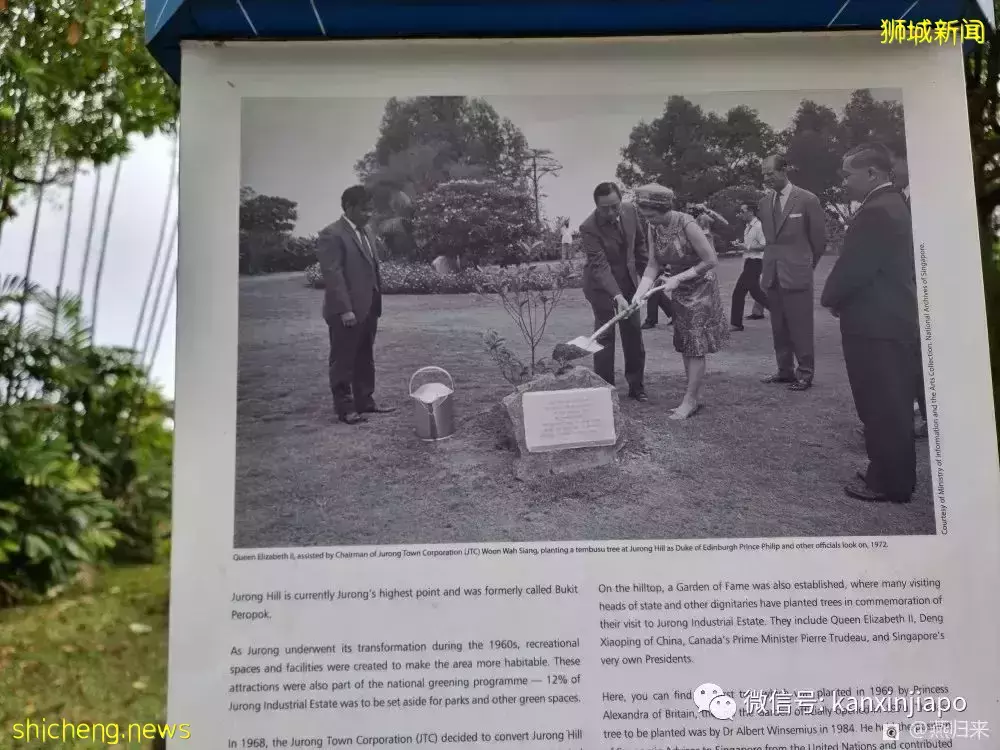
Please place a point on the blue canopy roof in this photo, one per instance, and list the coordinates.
(170, 21)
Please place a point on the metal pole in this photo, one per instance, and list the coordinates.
(34, 237)
(159, 292)
(104, 246)
(65, 252)
(159, 248)
(90, 233)
(163, 320)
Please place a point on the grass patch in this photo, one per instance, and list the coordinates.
(758, 461)
(98, 654)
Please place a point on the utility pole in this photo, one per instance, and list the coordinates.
(540, 163)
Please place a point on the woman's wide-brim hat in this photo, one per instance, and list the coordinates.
(654, 196)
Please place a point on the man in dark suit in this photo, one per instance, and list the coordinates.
(872, 290)
(616, 256)
(901, 181)
(795, 232)
(352, 305)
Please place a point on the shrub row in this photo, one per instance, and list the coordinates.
(419, 278)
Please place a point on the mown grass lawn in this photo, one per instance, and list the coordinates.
(758, 461)
(97, 654)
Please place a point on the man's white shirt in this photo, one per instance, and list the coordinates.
(753, 239)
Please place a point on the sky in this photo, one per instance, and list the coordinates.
(132, 238)
(305, 150)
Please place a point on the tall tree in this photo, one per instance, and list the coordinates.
(437, 136)
(266, 225)
(694, 152)
(814, 147)
(539, 163)
(426, 141)
(817, 139)
(76, 81)
(868, 119)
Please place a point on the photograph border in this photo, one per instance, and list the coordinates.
(217, 77)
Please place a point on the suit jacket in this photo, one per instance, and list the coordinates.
(599, 282)
(350, 274)
(873, 286)
(796, 244)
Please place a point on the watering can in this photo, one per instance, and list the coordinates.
(433, 405)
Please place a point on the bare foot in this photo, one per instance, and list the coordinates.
(685, 410)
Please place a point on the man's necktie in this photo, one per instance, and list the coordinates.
(363, 236)
(777, 211)
(371, 256)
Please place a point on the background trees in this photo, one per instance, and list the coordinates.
(717, 159)
(266, 241)
(475, 222)
(76, 81)
(426, 142)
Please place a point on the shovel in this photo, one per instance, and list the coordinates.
(581, 346)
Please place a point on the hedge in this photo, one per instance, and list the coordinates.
(418, 278)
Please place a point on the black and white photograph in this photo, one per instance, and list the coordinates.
(473, 319)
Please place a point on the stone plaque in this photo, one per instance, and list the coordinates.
(560, 420)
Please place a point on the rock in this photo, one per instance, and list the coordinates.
(531, 466)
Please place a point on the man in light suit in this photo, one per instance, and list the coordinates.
(872, 290)
(616, 253)
(352, 304)
(795, 232)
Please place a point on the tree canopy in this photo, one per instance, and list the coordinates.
(700, 153)
(427, 139)
(76, 81)
(479, 221)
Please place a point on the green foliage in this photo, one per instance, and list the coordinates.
(85, 447)
(76, 80)
(420, 278)
(53, 516)
(478, 221)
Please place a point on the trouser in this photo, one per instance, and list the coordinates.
(792, 328)
(352, 363)
(632, 346)
(881, 374)
(654, 304)
(747, 283)
(567, 251)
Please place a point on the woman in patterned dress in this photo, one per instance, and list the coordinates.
(682, 257)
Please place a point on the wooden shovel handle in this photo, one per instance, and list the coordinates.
(626, 312)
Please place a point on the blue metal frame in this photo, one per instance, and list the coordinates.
(170, 21)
